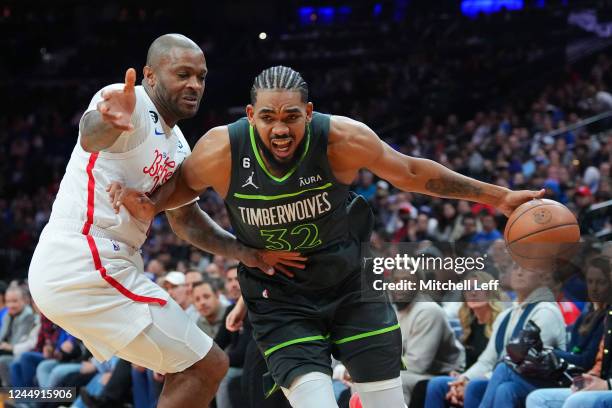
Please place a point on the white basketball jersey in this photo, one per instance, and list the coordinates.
(142, 159)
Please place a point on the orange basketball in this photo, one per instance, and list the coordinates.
(541, 233)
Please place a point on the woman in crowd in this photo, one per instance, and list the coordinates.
(509, 389)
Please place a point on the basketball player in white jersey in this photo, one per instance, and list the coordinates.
(86, 272)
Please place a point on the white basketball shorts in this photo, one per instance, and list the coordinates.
(95, 289)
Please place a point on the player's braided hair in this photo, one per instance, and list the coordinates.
(280, 77)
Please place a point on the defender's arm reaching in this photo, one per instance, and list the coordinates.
(101, 128)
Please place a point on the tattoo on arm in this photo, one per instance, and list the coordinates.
(453, 187)
(194, 225)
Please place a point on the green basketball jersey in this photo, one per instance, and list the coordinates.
(303, 211)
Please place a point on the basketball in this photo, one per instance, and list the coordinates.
(540, 234)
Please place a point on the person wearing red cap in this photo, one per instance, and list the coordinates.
(583, 198)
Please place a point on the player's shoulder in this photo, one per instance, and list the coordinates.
(217, 133)
(214, 142)
(347, 135)
(345, 128)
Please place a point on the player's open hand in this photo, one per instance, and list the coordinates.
(118, 105)
(137, 203)
(271, 261)
(234, 319)
(513, 199)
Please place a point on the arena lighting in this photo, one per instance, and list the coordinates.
(377, 9)
(472, 8)
(263, 35)
(324, 14)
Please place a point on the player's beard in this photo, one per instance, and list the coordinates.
(276, 165)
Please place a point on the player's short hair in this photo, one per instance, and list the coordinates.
(280, 77)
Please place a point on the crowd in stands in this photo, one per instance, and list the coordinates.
(442, 87)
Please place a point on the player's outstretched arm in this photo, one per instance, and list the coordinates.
(101, 128)
(353, 145)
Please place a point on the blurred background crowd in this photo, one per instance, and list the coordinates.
(518, 96)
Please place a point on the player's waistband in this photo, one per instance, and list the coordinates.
(94, 231)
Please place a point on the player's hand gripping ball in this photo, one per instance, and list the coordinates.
(541, 234)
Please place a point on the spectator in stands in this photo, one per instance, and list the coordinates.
(175, 284)
(477, 315)
(197, 261)
(213, 271)
(583, 198)
(366, 186)
(420, 231)
(146, 387)
(509, 389)
(17, 326)
(489, 231)
(232, 286)
(568, 309)
(234, 343)
(534, 302)
(469, 229)
(116, 387)
(23, 369)
(103, 372)
(66, 359)
(155, 269)
(591, 390)
(429, 346)
(402, 221)
(221, 262)
(449, 227)
(3, 307)
(498, 251)
(192, 278)
(206, 300)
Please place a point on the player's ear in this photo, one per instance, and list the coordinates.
(250, 112)
(149, 75)
(309, 109)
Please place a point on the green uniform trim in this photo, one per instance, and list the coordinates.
(263, 166)
(367, 334)
(274, 388)
(341, 341)
(291, 342)
(279, 196)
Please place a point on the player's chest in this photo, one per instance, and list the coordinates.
(155, 162)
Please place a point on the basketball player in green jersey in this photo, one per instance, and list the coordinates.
(284, 172)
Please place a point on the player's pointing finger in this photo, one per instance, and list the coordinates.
(130, 80)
